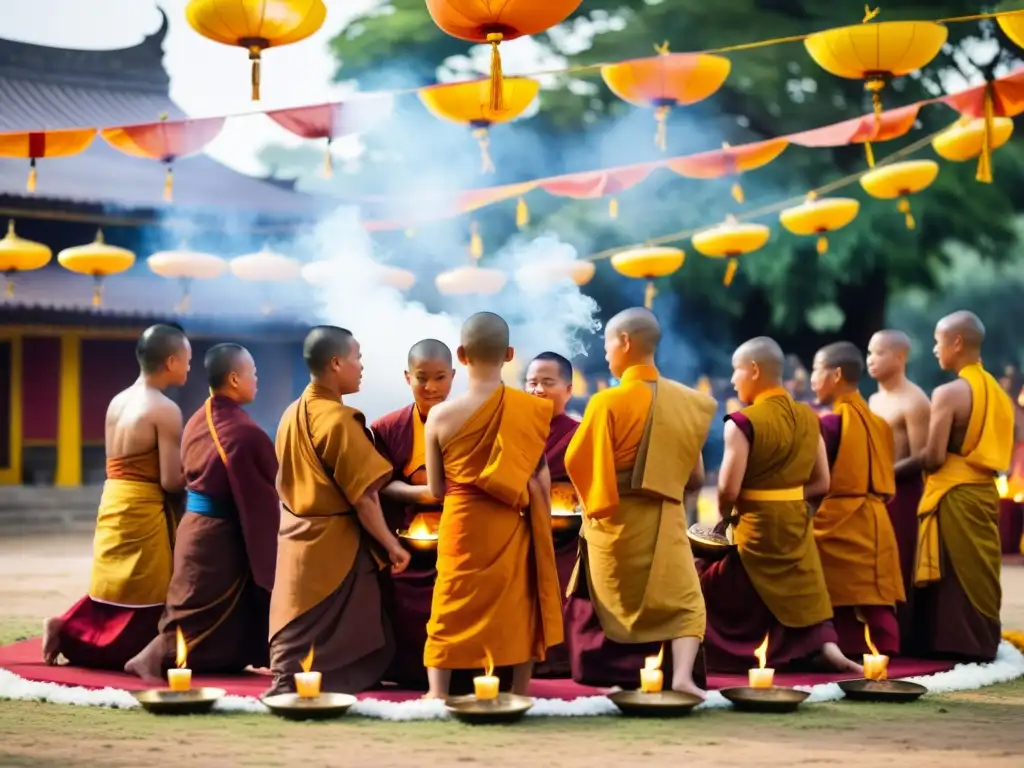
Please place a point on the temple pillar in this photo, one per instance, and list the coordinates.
(69, 413)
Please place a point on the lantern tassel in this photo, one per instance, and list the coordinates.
(254, 57)
(97, 292)
(328, 161)
(737, 192)
(661, 133)
(9, 287)
(649, 293)
(984, 174)
(613, 208)
(822, 245)
(186, 298)
(476, 243)
(908, 216)
(730, 272)
(497, 82)
(875, 86)
(30, 185)
(870, 153)
(486, 163)
(169, 185)
(522, 214)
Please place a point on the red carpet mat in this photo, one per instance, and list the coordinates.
(24, 660)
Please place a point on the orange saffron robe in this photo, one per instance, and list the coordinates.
(496, 599)
(630, 460)
(852, 528)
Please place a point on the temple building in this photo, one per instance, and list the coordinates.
(61, 357)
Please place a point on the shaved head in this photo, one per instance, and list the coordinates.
(221, 360)
(893, 340)
(485, 339)
(323, 344)
(640, 325)
(765, 352)
(429, 350)
(966, 325)
(846, 357)
(156, 345)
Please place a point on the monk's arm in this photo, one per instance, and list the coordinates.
(403, 493)
(371, 517)
(939, 426)
(590, 461)
(917, 420)
(168, 439)
(734, 467)
(435, 459)
(820, 480)
(696, 479)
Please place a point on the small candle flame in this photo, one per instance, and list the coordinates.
(761, 653)
(307, 663)
(867, 639)
(489, 668)
(420, 530)
(654, 662)
(181, 656)
(1003, 486)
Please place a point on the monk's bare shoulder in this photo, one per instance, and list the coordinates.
(440, 417)
(916, 397)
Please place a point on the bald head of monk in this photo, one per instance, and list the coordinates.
(485, 343)
(836, 371)
(231, 372)
(888, 351)
(757, 367)
(333, 358)
(164, 355)
(429, 373)
(958, 339)
(631, 338)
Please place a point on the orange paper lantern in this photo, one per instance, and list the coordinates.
(900, 180)
(819, 216)
(729, 161)
(647, 264)
(731, 240)
(35, 145)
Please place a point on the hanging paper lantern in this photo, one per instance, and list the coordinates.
(648, 264)
(730, 240)
(36, 145)
(332, 271)
(588, 185)
(876, 52)
(256, 25)
(394, 277)
(464, 281)
(965, 139)
(899, 180)
(265, 267)
(819, 216)
(1012, 25)
(97, 259)
(185, 266)
(468, 103)
(665, 81)
(481, 21)
(20, 255)
(548, 273)
(729, 161)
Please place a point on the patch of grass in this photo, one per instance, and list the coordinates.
(13, 629)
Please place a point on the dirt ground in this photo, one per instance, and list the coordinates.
(40, 577)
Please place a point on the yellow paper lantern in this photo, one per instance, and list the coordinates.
(20, 255)
(966, 140)
(647, 264)
(819, 216)
(256, 25)
(1012, 24)
(899, 180)
(97, 259)
(876, 52)
(185, 266)
(465, 281)
(730, 240)
(545, 273)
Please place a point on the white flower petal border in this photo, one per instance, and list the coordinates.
(1009, 665)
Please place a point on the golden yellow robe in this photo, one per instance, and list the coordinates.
(327, 463)
(774, 535)
(959, 511)
(496, 599)
(855, 537)
(630, 460)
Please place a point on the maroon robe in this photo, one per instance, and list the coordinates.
(226, 549)
(903, 514)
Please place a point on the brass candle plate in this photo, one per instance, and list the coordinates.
(899, 691)
(163, 701)
(326, 706)
(417, 543)
(566, 522)
(775, 699)
(507, 708)
(708, 543)
(663, 704)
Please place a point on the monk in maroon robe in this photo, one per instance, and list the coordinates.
(550, 376)
(136, 523)
(407, 504)
(226, 548)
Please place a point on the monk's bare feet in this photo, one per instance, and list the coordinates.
(691, 688)
(258, 670)
(834, 658)
(147, 664)
(51, 640)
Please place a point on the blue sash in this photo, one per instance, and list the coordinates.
(202, 504)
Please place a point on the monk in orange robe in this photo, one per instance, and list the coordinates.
(970, 439)
(636, 451)
(400, 437)
(855, 538)
(772, 582)
(332, 537)
(496, 600)
(137, 519)
(549, 375)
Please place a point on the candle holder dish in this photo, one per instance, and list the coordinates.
(662, 704)
(897, 691)
(164, 701)
(709, 543)
(776, 699)
(507, 708)
(326, 706)
(423, 551)
(566, 523)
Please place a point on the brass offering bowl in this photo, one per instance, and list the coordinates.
(898, 691)
(163, 701)
(422, 549)
(326, 706)
(566, 523)
(507, 708)
(663, 704)
(708, 543)
(775, 699)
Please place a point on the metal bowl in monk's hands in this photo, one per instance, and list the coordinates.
(507, 708)
(326, 706)
(163, 701)
(709, 543)
(774, 699)
(419, 542)
(663, 704)
(898, 691)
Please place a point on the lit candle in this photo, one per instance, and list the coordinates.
(307, 683)
(180, 679)
(763, 676)
(876, 665)
(485, 686)
(651, 677)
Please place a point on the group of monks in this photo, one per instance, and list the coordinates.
(876, 519)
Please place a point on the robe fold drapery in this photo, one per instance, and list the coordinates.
(855, 538)
(635, 586)
(903, 515)
(226, 548)
(326, 589)
(131, 567)
(772, 584)
(958, 556)
(496, 600)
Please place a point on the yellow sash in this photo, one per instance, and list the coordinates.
(773, 494)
